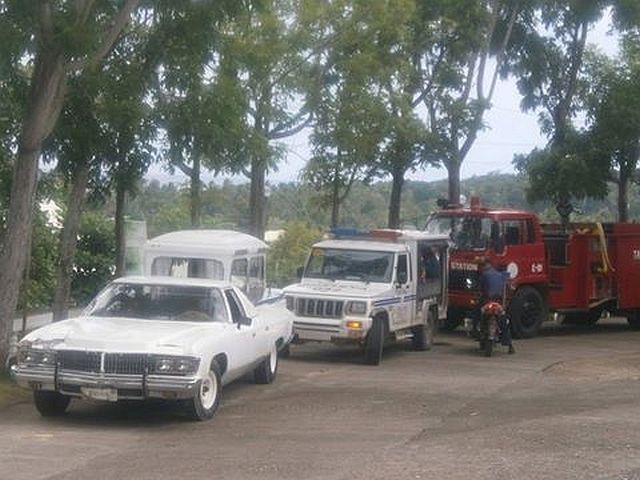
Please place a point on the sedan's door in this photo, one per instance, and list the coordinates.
(243, 351)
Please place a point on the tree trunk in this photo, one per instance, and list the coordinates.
(69, 240)
(45, 102)
(623, 197)
(196, 187)
(453, 169)
(396, 198)
(335, 201)
(121, 198)
(257, 198)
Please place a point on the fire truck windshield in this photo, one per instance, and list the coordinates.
(466, 232)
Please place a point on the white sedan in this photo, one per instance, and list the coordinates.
(153, 337)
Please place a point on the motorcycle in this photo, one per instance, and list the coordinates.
(490, 329)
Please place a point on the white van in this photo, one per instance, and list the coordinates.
(218, 254)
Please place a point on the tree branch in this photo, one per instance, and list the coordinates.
(277, 134)
(119, 21)
(184, 168)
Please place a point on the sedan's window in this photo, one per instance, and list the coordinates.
(160, 302)
(237, 312)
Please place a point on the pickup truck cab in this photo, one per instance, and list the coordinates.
(367, 288)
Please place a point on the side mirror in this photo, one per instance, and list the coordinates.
(246, 321)
(299, 272)
(402, 278)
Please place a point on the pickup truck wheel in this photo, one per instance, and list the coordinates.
(423, 334)
(375, 343)
(454, 320)
(50, 404)
(527, 310)
(267, 370)
(207, 398)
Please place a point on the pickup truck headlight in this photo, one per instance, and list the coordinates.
(357, 308)
(290, 302)
(173, 365)
(34, 357)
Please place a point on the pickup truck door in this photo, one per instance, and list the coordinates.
(402, 312)
(243, 350)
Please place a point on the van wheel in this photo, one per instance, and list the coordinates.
(423, 334)
(527, 310)
(207, 398)
(267, 370)
(375, 342)
(50, 404)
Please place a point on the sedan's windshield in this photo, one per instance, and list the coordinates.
(160, 302)
(358, 265)
(466, 232)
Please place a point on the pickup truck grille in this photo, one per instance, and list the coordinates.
(119, 363)
(313, 307)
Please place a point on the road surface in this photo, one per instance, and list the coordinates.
(566, 406)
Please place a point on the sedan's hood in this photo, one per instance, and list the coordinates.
(324, 288)
(122, 335)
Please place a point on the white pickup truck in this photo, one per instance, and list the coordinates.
(368, 288)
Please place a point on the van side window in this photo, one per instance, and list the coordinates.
(187, 267)
(256, 267)
(237, 312)
(239, 273)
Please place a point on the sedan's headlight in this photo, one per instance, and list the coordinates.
(34, 357)
(172, 365)
(357, 308)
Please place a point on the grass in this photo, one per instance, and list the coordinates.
(9, 392)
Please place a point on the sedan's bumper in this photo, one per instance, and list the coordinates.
(126, 387)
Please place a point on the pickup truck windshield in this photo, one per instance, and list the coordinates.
(357, 265)
(160, 302)
(466, 232)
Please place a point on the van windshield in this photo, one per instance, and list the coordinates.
(357, 265)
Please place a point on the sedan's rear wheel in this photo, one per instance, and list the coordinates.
(50, 404)
(206, 400)
(267, 370)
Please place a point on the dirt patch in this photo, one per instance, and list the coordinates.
(617, 367)
(10, 393)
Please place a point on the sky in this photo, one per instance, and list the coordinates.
(509, 132)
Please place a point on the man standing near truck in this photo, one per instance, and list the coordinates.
(492, 288)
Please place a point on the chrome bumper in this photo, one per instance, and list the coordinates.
(129, 387)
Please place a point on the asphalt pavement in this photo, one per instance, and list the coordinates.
(566, 406)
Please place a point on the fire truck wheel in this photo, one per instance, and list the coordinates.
(454, 320)
(375, 342)
(423, 334)
(634, 320)
(527, 310)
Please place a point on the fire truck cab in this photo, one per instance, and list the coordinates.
(578, 272)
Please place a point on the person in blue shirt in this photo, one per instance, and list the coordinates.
(492, 288)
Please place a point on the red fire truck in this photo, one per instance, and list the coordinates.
(579, 272)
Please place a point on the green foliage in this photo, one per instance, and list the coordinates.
(94, 263)
(289, 252)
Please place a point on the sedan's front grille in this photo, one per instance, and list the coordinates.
(125, 363)
(312, 307)
(80, 361)
(118, 363)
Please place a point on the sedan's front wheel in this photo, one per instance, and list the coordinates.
(50, 404)
(267, 370)
(206, 400)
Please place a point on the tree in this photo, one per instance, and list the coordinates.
(272, 51)
(614, 112)
(459, 49)
(61, 40)
(549, 67)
